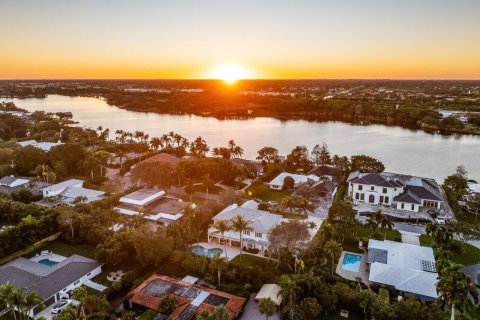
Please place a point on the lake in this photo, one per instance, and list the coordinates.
(401, 150)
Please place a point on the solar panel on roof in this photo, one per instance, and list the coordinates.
(428, 266)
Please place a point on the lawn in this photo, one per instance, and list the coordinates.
(364, 232)
(67, 250)
(425, 240)
(272, 195)
(471, 256)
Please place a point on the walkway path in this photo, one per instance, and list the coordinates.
(410, 238)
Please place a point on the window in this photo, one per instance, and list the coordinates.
(258, 234)
(384, 190)
(246, 232)
(362, 196)
(430, 204)
(387, 200)
(357, 196)
(403, 206)
(360, 187)
(381, 199)
(372, 188)
(413, 206)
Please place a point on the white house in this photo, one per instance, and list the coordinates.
(45, 146)
(52, 276)
(262, 223)
(67, 192)
(406, 267)
(153, 204)
(11, 183)
(403, 192)
(277, 182)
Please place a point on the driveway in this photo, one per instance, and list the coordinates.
(411, 228)
(251, 312)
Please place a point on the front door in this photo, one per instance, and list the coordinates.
(371, 198)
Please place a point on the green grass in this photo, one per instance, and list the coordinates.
(426, 240)
(470, 256)
(272, 195)
(364, 232)
(67, 250)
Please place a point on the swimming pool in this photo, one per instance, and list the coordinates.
(201, 251)
(351, 262)
(47, 262)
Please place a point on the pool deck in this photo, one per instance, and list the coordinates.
(352, 275)
(49, 256)
(232, 252)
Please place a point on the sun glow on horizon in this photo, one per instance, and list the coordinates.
(230, 72)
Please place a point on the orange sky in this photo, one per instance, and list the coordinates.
(435, 39)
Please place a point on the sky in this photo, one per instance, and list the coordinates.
(276, 39)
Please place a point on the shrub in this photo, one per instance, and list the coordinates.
(148, 315)
(128, 278)
(137, 282)
(117, 285)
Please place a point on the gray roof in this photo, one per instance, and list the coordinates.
(7, 180)
(376, 179)
(45, 280)
(323, 170)
(262, 221)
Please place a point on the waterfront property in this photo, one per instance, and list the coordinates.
(277, 182)
(45, 146)
(153, 204)
(9, 184)
(324, 172)
(402, 192)
(192, 298)
(252, 168)
(52, 276)
(261, 222)
(407, 268)
(69, 192)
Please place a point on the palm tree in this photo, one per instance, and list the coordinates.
(29, 301)
(208, 183)
(7, 299)
(219, 264)
(204, 315)
(289, 203)
(267, 307)
(385, 224)
(240, 224)
(235, 150)
(221, 226)
(155, 143)
(221, 313)
(372, 223)
(288, 291)
(333, 249)
(454, 287)
(304, 206)
(168, 305)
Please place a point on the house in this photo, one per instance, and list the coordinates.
(473, 186)
(192, 298)
(324, 172)
(262, 223)
(69, 192)
(10, 184)
(403, 192)
(277, 182)
(153, 204)
(52, 276)
(254, 169)
(45, 146)
(324, 188)
(407, 268)
(270, 291)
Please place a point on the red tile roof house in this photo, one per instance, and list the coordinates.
(192, 298)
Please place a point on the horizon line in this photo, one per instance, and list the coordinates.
(239, 80)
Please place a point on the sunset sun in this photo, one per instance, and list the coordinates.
(230, 72)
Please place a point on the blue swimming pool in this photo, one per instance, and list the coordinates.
(201, 251)
(48, 262)
(351, 262)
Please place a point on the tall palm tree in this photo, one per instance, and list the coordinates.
(241, 225)
(288, 291)
(7, 299)
(29, 301)
(219, 264)
(289, 203)
(221, 226)
(333, 249)
(267, 307)
(304, 206)
(155, 143)
(455, 287)
(385, 224)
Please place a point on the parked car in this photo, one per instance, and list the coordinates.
(440, 220)
(60, 305)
